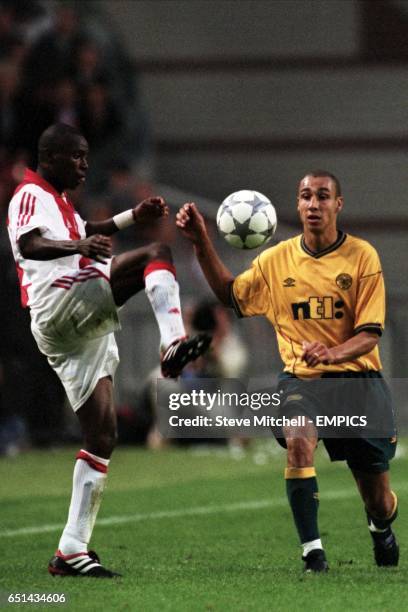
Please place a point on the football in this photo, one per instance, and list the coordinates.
(246, 219)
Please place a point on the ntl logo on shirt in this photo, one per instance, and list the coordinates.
(318, 308)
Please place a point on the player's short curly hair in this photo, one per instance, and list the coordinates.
(318, 173)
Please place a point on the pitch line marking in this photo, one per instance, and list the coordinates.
(168, 514)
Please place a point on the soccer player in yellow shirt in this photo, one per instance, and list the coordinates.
(323, 292)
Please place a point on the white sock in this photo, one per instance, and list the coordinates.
(88, 484)
(163, 292)
(312, 545)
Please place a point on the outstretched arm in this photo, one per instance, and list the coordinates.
(193, 227)
(148, 210)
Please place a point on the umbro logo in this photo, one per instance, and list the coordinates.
(289, 282)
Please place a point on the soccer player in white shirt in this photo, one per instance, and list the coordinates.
(74, 287)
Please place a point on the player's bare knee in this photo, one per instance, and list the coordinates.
(300, 452)
(380, 506)
(160, 251)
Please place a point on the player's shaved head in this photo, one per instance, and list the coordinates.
(63, 156)
(55, 139)
(325, 173)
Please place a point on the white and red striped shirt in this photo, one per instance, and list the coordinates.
(37, 205)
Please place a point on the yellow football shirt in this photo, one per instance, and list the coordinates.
(327, 297)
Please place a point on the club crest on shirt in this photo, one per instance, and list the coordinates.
(344, 281)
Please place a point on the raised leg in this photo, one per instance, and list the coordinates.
(152, 268)
(128, 269)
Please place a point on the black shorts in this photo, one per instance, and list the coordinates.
(368, 394)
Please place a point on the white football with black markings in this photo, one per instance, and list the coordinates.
(246, 219)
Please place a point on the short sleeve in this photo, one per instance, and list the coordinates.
(370, 306)
(250, 292)
(28, 213)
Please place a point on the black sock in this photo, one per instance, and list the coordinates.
(302, 491)
(380, 528)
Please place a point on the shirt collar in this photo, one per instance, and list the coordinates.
(341, 236)
(33, 177)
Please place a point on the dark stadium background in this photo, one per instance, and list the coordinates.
(202, 98)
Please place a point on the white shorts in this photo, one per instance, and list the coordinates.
(75, 330)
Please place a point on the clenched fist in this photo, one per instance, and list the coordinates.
(150, 209)
(191, 222)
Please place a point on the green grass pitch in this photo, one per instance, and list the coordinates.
(197, 530)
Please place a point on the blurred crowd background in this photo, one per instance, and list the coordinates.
(194, 99)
